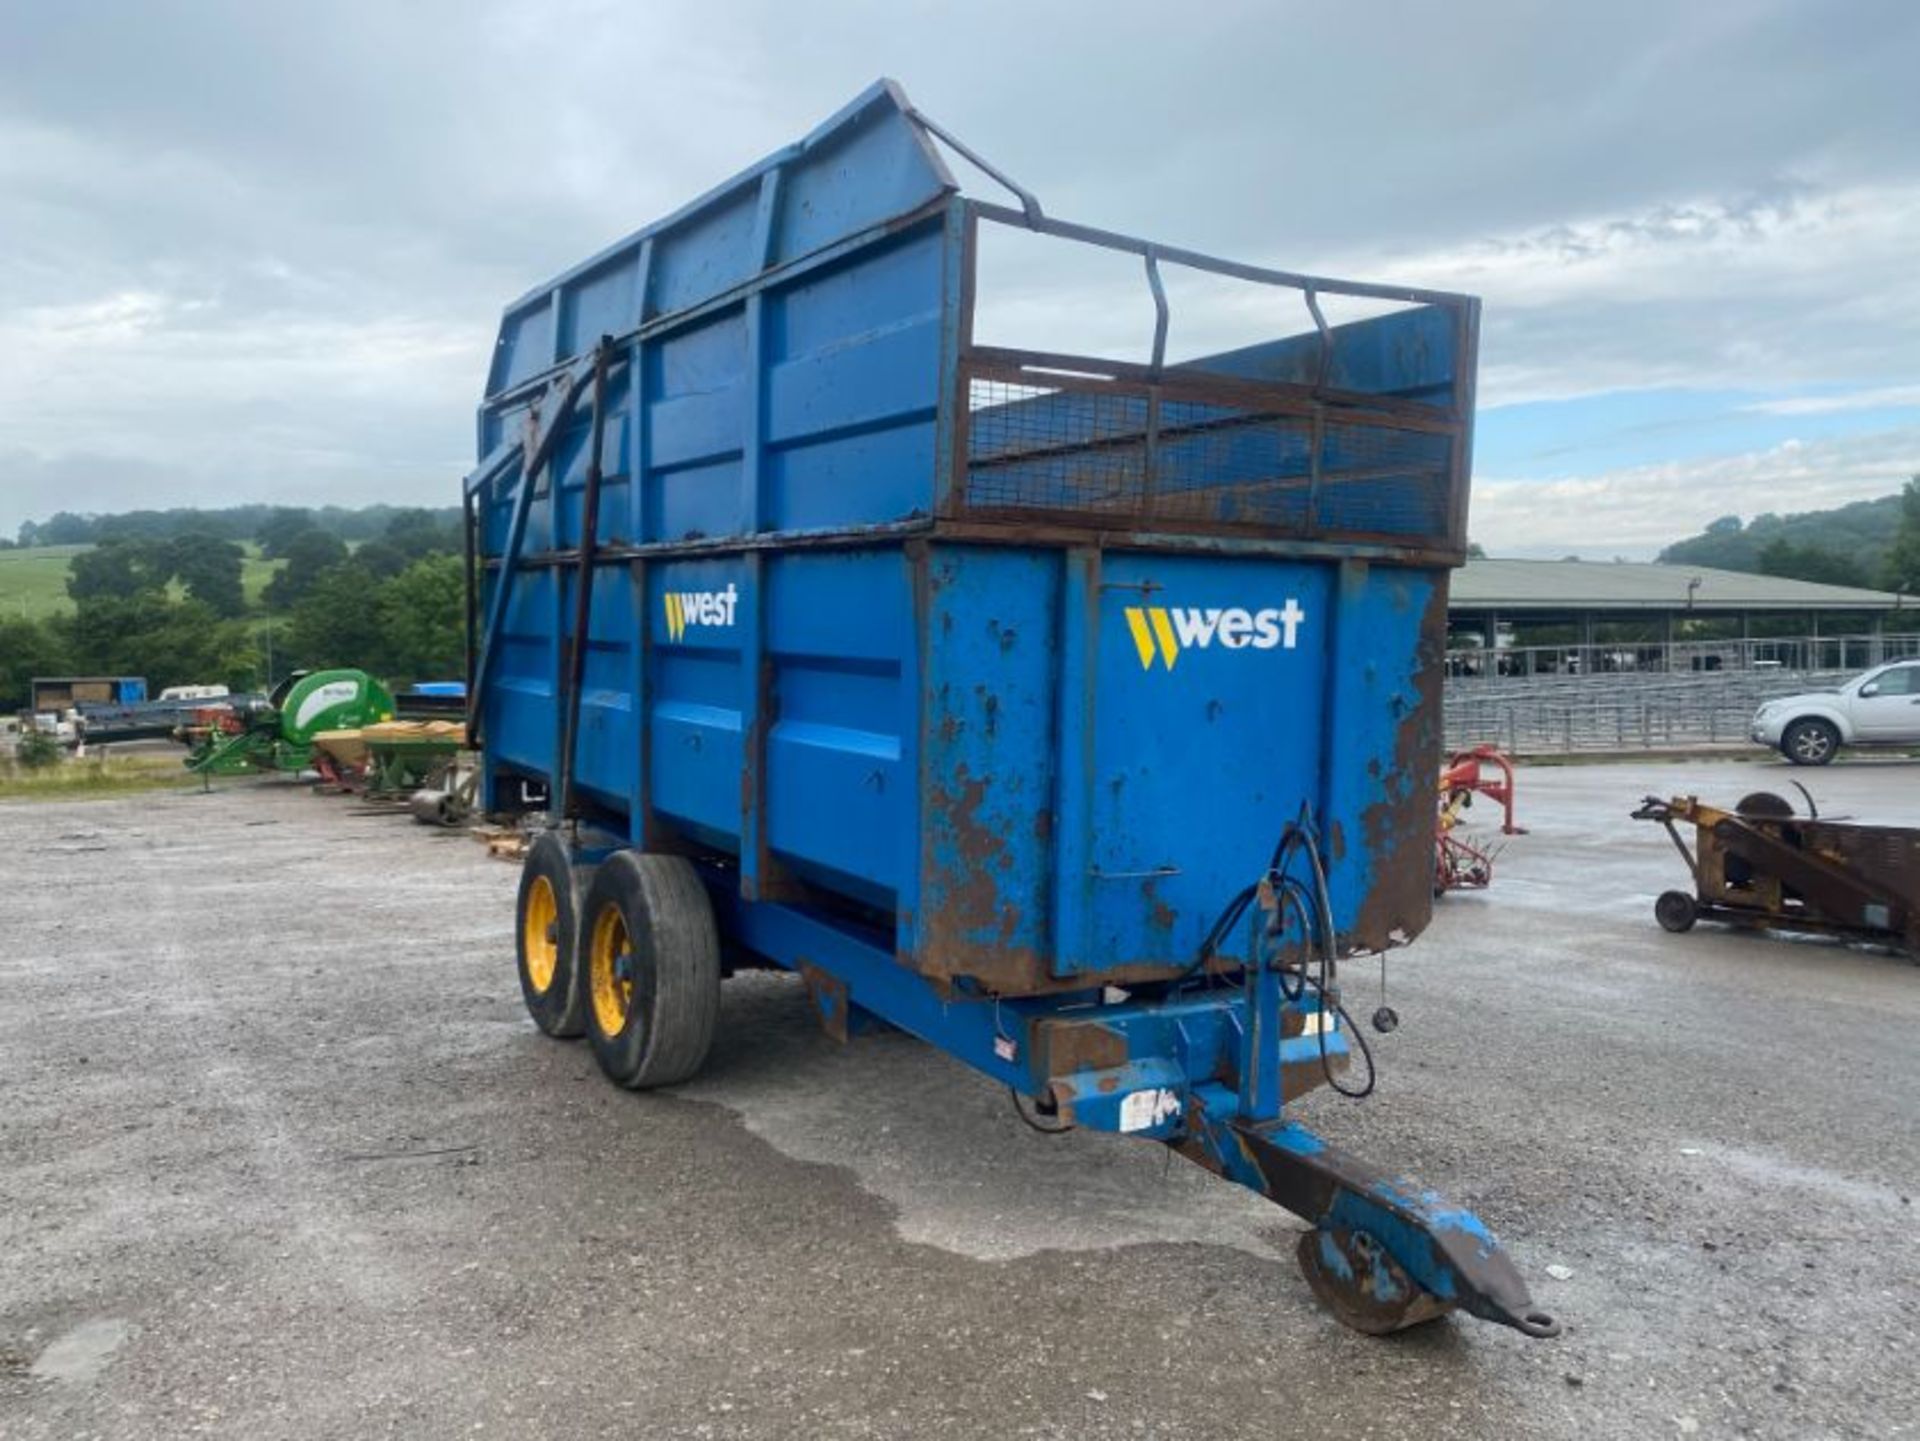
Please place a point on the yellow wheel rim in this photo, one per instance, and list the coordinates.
(612, 993)
(540, 934)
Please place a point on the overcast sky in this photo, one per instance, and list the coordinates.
(257, 251)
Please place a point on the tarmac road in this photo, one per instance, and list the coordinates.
(280, 1155)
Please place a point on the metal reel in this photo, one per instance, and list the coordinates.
(1364, 1287)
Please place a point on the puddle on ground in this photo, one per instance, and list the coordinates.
(81, 1353)
(943, 1148)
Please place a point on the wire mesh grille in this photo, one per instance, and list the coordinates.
(1030, 447)
(1111, 452)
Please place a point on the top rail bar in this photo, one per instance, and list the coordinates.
(1238, 270)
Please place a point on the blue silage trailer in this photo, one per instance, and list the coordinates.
(1080, 717)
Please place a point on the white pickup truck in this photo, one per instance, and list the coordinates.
(1881, 707)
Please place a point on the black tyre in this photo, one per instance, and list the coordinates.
(650, 969)
(547, 929)
(1810, 742)
(1676, 911)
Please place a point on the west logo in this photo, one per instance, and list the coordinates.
(1165, 631)
(698, 607)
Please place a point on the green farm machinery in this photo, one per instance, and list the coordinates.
(389, 760)
(278, 736)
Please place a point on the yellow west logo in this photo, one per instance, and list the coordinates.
(698, 607)
(1151, 628)
(1162, 632)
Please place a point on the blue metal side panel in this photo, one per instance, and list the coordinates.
(853, 387)
(993, 645)
(863, 167)
(599, 302)
(696, 430)
(707, 253)
(522, 718)
(1205, 743)
(525, 344)
(1409, 353)
(854, 176)
(608, 741)
(839, 794)
(1381, 740)
(697, 694)
(1114, 743)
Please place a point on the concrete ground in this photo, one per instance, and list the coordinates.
(280, 1155)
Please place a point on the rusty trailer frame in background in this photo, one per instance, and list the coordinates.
(1762, 867)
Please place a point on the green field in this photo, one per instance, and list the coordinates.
(255, 572)
(33, 582)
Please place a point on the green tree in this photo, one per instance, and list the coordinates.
(210, 570)
(1901, 569)
(118, 569)
(420, 533)
(309, 555)
(278, 531)
(27, 649)
(422, 619)
(65, 528)
(337, 620)
(1782, 557)
(382, 558)
(169, 642)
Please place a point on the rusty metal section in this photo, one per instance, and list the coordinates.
(1397, 829)
(971, 925)
(1763, 867)
(1063, 1045)
(831, 1002)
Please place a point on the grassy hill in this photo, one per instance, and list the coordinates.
(1862, 532)
(33, 580)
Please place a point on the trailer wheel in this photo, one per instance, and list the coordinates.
(1355, 1278)
(1676, 911)
(652, 970)
(546, 928)
(1810, 742)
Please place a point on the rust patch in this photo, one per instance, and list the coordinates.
(1399, 828)
(1063, 1047)
(830, 1001)
(1160, 915)
(969, 929)
(1109, 1084)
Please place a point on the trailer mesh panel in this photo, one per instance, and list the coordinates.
(1108, 454)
